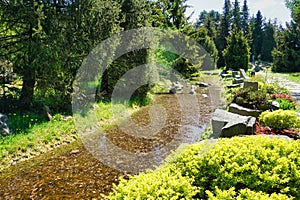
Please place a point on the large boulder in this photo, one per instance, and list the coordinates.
(227, 124)
(4, 128)
(240, 110)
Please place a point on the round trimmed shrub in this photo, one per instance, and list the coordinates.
(240, 168)
(280, 119)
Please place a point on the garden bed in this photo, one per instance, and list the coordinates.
(292, 132)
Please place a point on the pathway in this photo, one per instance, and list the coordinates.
(293, 87)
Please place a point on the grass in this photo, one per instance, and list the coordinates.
(33, 135)
(295, 77)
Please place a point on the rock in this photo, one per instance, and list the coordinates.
(235, 108)
(202, 84)
(237, 80)
(172, 91)
(233, 85)
(193, 88)
(227, 124)
(252, 85)
(4, 128)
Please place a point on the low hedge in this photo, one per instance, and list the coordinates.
(236, 168)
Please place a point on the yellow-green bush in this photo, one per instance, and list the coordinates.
(280, 119)
(253, 166)
(161, 184)
(245, 194)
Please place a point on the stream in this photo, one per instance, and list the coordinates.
(75, 173)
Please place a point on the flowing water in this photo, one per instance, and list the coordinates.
(77, 174)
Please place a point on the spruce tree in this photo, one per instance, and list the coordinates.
(224, 30)
(258, 35)
(268, 42)
(236, 16)
(245, 20)
(237, 52)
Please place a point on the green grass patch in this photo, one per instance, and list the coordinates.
(295, 77)
(33, 135)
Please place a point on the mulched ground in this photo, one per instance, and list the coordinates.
(292, 133)
(75, 173)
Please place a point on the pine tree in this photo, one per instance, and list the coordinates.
(237, 53)
(236, 16)
(224, 30)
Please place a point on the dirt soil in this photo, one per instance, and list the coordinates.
(75, 174)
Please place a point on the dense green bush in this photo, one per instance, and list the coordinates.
(286, 104)
(251, 99)
(254, 166)
(280, 119)
(245, 194)
(161, 184)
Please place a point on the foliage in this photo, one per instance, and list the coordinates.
(210, 21)
(258, 35)
(280, 119)
(236, 168)
(224, 31)
(236, 13)
(245, 194)
(245, 20)
(268, 42)
(237, 53)
(250, 99)
(282, 96)
(286, 104)
(286, 55)
(162, 184)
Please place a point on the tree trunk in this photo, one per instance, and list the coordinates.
(27, 89)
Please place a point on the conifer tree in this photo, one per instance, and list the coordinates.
(237, 53)
(223, 31)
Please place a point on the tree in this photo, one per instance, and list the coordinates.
(286, 55)
(245, 20)
(50, 41)
(258, 35)
(209, 20)
(172, 13)
(294, 6)
(224, 31)
(237, 53)
(268, 42)
(201, 35)
(236, 16)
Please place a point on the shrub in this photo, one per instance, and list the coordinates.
(243, 167)
(282, 96)
(280, 119)
(161, 184)
(251, 99)
(245, 194)
(286, 104)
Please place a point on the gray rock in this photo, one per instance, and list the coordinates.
(235, 108)
(237, 80)
(252, 85)
(4, 128)
(234, 85)
(202, 84)
(227, 124)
